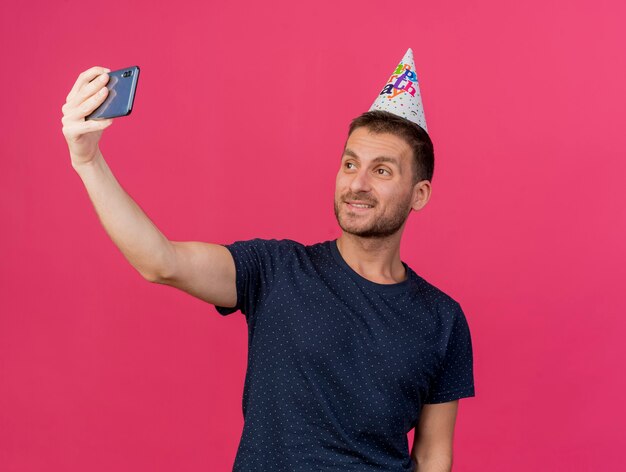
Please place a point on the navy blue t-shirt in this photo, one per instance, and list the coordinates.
(339, 366)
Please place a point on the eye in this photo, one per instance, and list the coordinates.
(384, 170)
(348, 164)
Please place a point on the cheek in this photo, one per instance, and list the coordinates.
(337, 191)
(386, 194)
(340, 184)
(390, 198)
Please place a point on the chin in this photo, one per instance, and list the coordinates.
(354, 229)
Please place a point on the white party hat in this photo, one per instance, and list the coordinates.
(401, 94)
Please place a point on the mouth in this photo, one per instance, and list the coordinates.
(359, 207)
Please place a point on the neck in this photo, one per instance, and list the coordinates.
(376, 259)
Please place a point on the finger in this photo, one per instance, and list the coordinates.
(88, 90)
(81, 111)
(84, 77)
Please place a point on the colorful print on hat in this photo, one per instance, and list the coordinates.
(401, 94)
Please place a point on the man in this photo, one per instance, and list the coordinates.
(348, 348)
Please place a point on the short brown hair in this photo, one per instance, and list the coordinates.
(379, 121)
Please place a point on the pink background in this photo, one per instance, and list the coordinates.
(240, 117)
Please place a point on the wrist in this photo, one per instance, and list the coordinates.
(87, 164)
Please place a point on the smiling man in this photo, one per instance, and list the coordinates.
(348, 348)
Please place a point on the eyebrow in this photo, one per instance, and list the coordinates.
(351, 153)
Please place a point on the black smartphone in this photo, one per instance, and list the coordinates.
(122, 85)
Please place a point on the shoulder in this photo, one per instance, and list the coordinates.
(267, 244)
(287, 245)
(437, 300)
(268, 248)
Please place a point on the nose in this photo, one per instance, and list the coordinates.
(360, 182)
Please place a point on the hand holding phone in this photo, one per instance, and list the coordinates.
(121, 87)
(82, 136)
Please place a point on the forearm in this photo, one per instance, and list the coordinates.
(139, 240)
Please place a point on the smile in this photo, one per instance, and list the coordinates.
(359, 206)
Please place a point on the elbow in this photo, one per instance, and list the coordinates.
(433, 464)
(155, 275)
(152, 277)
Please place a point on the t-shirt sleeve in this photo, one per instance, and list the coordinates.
(456, 376)
(255, 264)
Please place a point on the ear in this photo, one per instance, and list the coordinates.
(421, 194)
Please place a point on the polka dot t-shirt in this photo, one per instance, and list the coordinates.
(339, 366)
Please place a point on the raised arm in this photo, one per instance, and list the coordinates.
(204, 270)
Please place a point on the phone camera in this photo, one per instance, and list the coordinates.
(128, 73)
